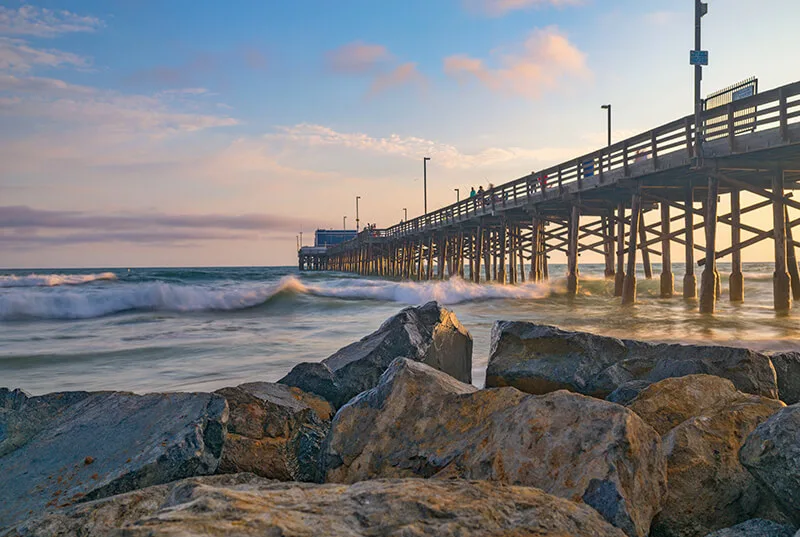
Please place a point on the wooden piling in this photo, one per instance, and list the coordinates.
(708, 281)
(501, 261)
(689, 278)
(646, 265)
(780, 281)
(572, 251)
(736, 280)
(607, 226)
(476, 273)
(619, 277)
(667, 279)
(629, 286)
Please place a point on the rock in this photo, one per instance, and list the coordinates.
(787, 369)
(429, 334)
(755, 528)
(132, 440)
(772, 454)
(628, 391)
(420, 422)
(540, 359)
(705, 421)
(245, 505)
(274, 431)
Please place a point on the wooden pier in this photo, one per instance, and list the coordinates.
(599, 202)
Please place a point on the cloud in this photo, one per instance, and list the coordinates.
(23, 226)
(43, 22)
(179, 75)
(410, 147)
(663, 18)
(357, 58)
(544, 59)
(405, 73)
(498, 8)
(17, 56)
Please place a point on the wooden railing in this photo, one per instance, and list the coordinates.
(773, 109)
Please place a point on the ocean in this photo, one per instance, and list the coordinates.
(200, 329)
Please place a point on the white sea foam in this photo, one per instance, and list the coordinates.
(90, 302)
(53, 280)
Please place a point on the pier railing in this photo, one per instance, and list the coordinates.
(769, 110)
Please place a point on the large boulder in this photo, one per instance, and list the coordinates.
(540, 359)
(62, 448)
(429, 334)
(772, 454)
(420, 422)
(787, 369)
(755, 528)
(274, 431)
(245, 505)
(705, 421)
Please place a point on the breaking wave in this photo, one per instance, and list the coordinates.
(53, 280)
(91, 302)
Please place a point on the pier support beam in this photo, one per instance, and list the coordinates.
(780, 279)
(619, 277)
(689, 279)
(629, 286)
(572, 251)
(607, 225)
(667, 279)
(708, 281)
(501, 261)
(646, 265)
(791, 259)
(476, 275)
(736, 280)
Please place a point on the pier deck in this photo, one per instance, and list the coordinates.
(595, 203)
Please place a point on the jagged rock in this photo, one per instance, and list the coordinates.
(540, 359)
(245, 505)
(787, 369)
(772, 454)
(420, 422)
(80, 446)
(429, 334)
(627, 392)
(274, 431)
(755, 528)
(705, 421)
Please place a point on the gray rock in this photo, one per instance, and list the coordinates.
(540, 359)
(82, 446)
(627, 392)
(274, 431)
(787, 368)
(755, 528)
(772, 454)
(244, 505)
(419, 422)
(429, 334)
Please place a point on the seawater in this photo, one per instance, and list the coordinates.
(199, 329)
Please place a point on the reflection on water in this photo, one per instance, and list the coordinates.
(201, 329)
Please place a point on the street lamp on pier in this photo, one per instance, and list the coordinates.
(458, 195)
(301, 239)
(425, 182)
(608, 107)
(357, 221)
(344, 222)
(405, 212)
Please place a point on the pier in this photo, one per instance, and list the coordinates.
(598, 203)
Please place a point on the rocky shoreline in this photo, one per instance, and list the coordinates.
(575, 434)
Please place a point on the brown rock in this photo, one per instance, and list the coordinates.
(420, 422)
(705, 421)
(274, 431)
(245, 505)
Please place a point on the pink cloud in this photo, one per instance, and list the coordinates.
(498, 8)
(544, 60)
(403, 74)
(357, 58)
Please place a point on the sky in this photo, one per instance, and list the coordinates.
(151, 133)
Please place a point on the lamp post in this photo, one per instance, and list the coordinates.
(301, 239)
(357, 198)
(405, 212)
(458, 195)
(608, 107)
(698, 58)
(344, 222)
(425, 182)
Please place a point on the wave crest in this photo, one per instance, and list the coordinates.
(53, 280)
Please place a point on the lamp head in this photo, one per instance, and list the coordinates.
(606, 106)
(426, 158)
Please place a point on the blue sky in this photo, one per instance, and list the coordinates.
(211, 133)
